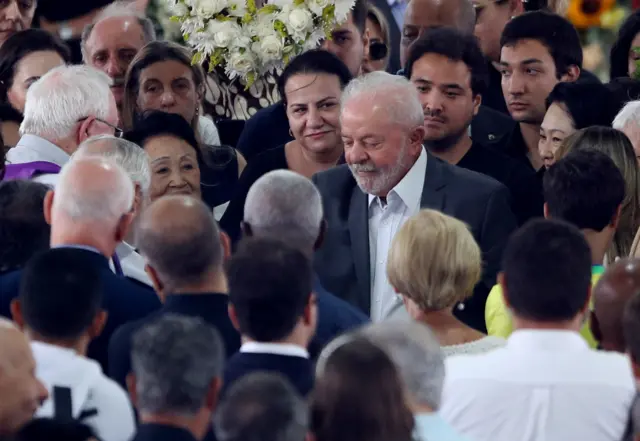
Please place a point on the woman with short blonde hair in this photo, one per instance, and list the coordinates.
(434, 263)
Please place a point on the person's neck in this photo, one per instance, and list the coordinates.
(78, 345)
(520, 323)
(196, 425)
(65, 144)
(454, 153)
(307, 162)
(214, 283)
(531, 136)
(417, 408)
(297, 338)
(447, 328)
(80, 235)
(599, 242)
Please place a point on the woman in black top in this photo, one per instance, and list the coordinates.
(179, 164)
(311, 87)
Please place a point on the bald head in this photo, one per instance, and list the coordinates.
(619, 283)
(180, 239)
(92, 190)
(422, 14)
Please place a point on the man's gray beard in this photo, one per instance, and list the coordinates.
(447, 142)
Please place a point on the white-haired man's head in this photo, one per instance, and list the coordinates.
(628, 122)
(416, 352)
(68, 105)
(131, 157)
(91, 205)
(287, 206)
(382, 128)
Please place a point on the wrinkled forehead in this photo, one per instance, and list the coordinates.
(123, 31)
(429, 13)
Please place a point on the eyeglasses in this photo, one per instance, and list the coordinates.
(117, 131)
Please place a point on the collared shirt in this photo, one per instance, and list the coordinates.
(256, 347)
(544, 385)
(132, 263)
(32, 148)
(384, 222)
(430, 426)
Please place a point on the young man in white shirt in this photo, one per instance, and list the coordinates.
(546, 383)
(59, 308)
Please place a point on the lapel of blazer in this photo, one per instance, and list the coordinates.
(435, 181)
(359, 233)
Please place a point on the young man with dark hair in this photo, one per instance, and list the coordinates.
(585, 189)
(546, 368)
(538, 50)
(449, 72)
(273, 307)
(59, 308)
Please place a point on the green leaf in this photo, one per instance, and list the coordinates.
(197, 58)
(298, 2)
(268, 9)
(251, 6)
(251, 78)
(280, 28)
(176, 19)
(247, 18)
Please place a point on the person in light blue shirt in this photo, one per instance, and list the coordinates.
(419, 359)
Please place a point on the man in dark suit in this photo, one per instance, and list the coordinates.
(388, 177)
(274, 308)
(90, 211)
(185, 252)
(177, 366)
(286, 206)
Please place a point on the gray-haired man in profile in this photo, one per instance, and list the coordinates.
(177, 365)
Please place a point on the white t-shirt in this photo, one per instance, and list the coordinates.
(78, 387)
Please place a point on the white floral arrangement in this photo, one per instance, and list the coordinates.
(249, 41)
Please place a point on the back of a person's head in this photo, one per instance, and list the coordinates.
(628, 117)
(585, 188)
(547, 271)
(455, 46)
(181, 241)
(45, 429)
(261, 407)
(23, 228)
(416, 353)
(359, 396)
(62, 97)
(631, 327)
(270, 284)
(554, 32)
(286, 206)
(133, 159)
(175, 359)
(624, 89)
(588, 104)
(60, 294)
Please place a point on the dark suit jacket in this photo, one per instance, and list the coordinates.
(161, 432)
(343, 262)
(123, 300)
(298, 370)
(212, 308)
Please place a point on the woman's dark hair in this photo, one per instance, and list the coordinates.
(624, 89)
(21, 44)
(359, 396)
(316, 61)
(619, 55)
(588, 104)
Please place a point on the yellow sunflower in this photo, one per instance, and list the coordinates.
(585, 14)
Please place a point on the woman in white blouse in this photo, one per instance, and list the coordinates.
(434, 263)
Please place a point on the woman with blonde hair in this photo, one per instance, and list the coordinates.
(618, 147)
(434, 263)
(378, 52)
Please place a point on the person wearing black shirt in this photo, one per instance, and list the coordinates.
(449, 72)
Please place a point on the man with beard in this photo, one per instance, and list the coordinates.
(114, 38)
(389, 177)
(449, 72)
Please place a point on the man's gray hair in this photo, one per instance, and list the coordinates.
(398, 96)
(630, 114)
(64, 96)
(119, 9)
(175, 359)
(262, 406)
(416, 352)
(103, 200)
(131, 157)
(287, 206)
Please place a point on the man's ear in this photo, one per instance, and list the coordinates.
(84, 128)
(123, 227)
(502, 281)
(233, 317)
(572, 74)
(545, 211)
(225, 241)
(417, 138)
(48, 206)
(131, 387)
(98, 324)
(158, 286)
(516, 7)
(16, 313)
(477, 102)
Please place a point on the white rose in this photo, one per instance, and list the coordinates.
(317, 6)
(270, 47)
(240, 63)
(299, 20)
(179, 9)
(222, 33)
(208, 8)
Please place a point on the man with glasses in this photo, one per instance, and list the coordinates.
(65, 107)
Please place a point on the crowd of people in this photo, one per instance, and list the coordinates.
(441, 253)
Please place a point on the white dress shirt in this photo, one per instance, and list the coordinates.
(257, 347)
(94, 399)
(384, 222)
(132, 263)
(32, 148)
(544, 385)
